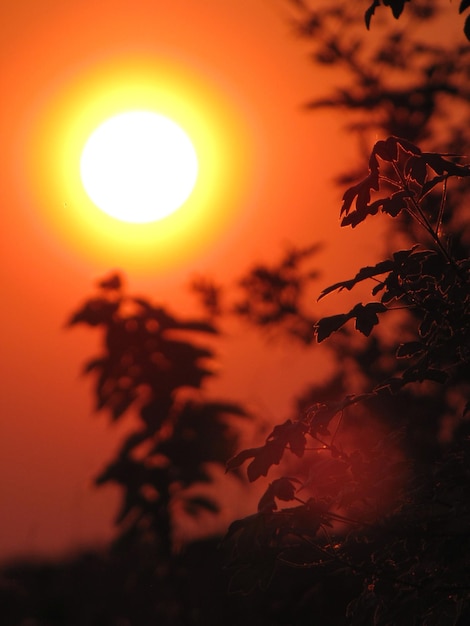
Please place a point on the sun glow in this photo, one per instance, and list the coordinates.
(139, 166)
(60, 203)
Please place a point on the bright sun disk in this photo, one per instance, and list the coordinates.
(138, 166)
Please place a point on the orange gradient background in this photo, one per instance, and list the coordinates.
(233, 76)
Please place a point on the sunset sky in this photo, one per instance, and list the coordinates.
(234, 76)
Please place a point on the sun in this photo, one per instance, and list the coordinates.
(138, 166)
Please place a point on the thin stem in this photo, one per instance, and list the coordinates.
(441, 208)
(419, 214)
(337, 426)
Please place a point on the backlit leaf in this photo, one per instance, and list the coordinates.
(282, 489)
(328, 325)
(366, 316)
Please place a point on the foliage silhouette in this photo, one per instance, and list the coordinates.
(376, 468)
(397, 6)
(155, 365)
(435, 472)
(407, 560)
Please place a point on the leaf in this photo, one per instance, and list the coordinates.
(365, 272)
(441, 165)
(269, 454)
(370, 12)
(415, 168)
(466, 28)
(366, 319)
(328, 325)
(395, 204)
(409, 147)
(309, 517)
(430, 184)
(361, 192)
(290, 434)
(387, 150)
(240, 458)
(366, 316)
(397, 6)
(282, 489)
(379, 287)
(321, 416)
(464, 5)
(406, 350)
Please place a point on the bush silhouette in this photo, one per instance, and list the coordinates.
(365, 515)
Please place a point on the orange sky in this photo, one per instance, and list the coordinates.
(235, 74)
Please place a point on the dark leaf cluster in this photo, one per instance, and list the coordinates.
(397, 6)
(273, 296)
(399, 83)
(429, 282)
(408, 176)
(150, 363)
(402, 556)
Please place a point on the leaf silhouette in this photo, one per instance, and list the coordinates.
(369, 271)
(328, 325)
(282, 489)
(366, 316)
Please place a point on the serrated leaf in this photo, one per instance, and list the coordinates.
(366, 316)
(364, 273)
(415, 168)
(387, 150)
(328, 325)
(409, 147)
(240, 458)
(395, 204)
(266, 456)
(282, 489)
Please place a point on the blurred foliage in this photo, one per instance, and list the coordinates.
(154, 367)
(366, 519)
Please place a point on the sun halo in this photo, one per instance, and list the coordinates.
(70, 221)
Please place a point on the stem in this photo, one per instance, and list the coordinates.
(421, 217)
(441, 208)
